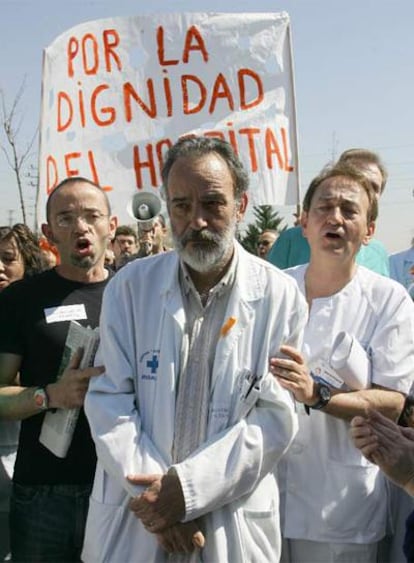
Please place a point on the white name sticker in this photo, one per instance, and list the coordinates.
(65, 313)
(322, 372)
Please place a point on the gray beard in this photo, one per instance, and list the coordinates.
(210, 257)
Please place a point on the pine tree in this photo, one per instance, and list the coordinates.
(265, 218)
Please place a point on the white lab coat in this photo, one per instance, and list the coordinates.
(131, 410)
(334, 494)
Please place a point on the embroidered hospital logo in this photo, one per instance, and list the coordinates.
(149, 362)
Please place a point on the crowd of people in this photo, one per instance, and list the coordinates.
(213, 425)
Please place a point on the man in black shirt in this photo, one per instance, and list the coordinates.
(50, 495)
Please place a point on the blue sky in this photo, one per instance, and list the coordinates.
(353, 71)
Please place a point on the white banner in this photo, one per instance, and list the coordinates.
(118, 92)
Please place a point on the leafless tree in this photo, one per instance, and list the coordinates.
(16, 151)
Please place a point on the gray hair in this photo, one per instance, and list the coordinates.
(365, 157)
(200, 146)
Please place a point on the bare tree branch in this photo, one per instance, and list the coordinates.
(16, 156)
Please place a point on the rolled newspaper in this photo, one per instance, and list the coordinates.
(58, 426)
(351, 362)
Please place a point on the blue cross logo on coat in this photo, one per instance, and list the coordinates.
(153, 363)
(149, 364)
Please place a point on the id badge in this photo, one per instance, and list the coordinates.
(322, 372)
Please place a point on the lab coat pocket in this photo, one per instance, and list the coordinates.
(245, 395)
(260, 535)
(103, 525)
(114, 535)
(355, 502)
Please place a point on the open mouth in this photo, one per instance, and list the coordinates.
(333, 235)
(83, 246)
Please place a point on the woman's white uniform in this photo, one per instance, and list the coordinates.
(131, 409)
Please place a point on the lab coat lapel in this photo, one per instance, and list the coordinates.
(171, 292)
(247, 289)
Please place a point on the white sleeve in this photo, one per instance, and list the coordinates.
(122, 446)
(392, 344)
(232, 463)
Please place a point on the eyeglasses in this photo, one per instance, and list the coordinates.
(68, 220)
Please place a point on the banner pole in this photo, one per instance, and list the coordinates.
(294, 125)
(38, 212)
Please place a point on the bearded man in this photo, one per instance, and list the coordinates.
(188, 422)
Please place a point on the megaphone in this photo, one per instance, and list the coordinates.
(144, 207)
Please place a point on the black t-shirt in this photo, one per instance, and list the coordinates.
(25, 331)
